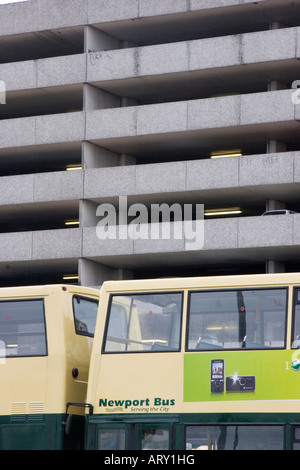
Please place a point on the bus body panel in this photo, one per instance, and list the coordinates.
(146, 398)
(35, 389)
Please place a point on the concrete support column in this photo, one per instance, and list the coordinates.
(87, 213)
(276, 25)
(275, 146)
(95, 98)
(94, 156)
(274, 266)
(96, 40)
(273, 205)
(125, 160)
(125, 101)
(93, 274)
(274, 85)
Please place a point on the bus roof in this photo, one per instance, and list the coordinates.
(198, 282)
(38, 290)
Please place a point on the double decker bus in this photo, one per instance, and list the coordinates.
(196, 364)
(46, 335)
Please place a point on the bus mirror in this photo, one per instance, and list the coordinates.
(67, 423)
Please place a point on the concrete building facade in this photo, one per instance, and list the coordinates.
(143, 99)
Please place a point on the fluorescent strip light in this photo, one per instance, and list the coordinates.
(221, 328)
(226, 154)
(74, 167)
(72, 222)
(70, 276)
(223, 212)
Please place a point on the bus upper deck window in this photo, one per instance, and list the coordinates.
(85, 314)
(22, 328)
(144, 322)
(296, 320)
(237, 319)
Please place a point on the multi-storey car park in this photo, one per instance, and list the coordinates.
(140, 95)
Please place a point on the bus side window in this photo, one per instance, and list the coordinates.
(22, 328)
(144, 322)
(111, 439)
(155, 438)
(237, 319)
(85, 314)
(117, 329)
(295, 437)
(234, 437)
(296, 320)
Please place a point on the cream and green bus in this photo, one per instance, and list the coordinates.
(46, 335)
(196, 364)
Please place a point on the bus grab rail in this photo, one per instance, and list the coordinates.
(68, 419)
